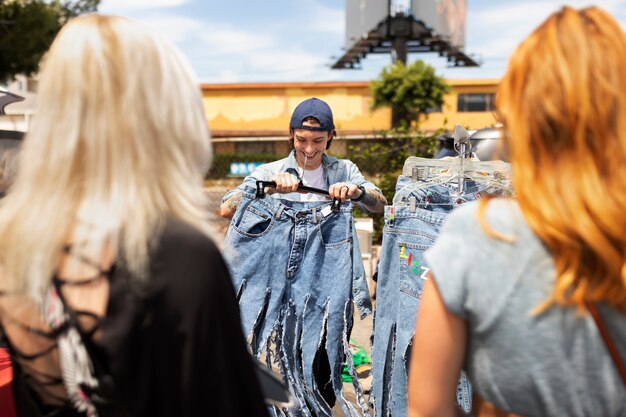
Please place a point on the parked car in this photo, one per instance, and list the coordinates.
(445, 144)
(10, 142)
(486, 144)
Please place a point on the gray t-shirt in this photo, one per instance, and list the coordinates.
(551, 364)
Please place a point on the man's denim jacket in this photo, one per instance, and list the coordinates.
(336, 170)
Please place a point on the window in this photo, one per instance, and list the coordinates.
(436, 109)
(476, 102)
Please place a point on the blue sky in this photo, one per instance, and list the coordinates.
(295, 40)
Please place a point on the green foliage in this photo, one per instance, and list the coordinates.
(27, 28)
(412, 90)
(222, 161)
(78, 7)
(383, 161)
(389, 153)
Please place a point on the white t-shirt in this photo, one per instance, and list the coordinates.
(314, 178)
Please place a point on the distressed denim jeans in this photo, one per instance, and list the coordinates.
(407, 234)
(292, 265)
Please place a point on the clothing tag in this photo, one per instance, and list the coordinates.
(325, 211)
(429, 195)
(279, 212)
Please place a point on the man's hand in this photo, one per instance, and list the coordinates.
(344, 191)
(374, 200)
(285, 183)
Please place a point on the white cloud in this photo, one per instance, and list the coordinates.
(311, 17)
(227, 76)
(286, 61)
(176, 28)
(295, 42)
(512, 21)
(287, 47)
(226, 40)
(516, 19)
(323, 19)
(495, 32)
(265, 66)
(125, 6)
(497, 47)
(256, 56)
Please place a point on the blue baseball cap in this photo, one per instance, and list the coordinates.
(313, 107)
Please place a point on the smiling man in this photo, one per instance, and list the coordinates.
(311, 131)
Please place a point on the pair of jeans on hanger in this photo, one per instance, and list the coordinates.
(412, 225)
(293, 267)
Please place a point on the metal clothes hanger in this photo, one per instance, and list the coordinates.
(493, 176)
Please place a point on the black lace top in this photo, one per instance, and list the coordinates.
(170, 346)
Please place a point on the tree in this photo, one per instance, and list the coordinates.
(411, 91)
(28, 27)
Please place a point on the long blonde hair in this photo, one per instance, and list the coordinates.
(119, 143)
(563, 104)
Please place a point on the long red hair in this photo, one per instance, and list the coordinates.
(563, 105)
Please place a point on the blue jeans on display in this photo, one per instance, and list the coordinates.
(292, 265)
(407, 234)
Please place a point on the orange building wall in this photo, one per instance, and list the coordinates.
(470, 120)
(264, 109)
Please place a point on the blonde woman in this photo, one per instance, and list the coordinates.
(513, 281)
(114, 299)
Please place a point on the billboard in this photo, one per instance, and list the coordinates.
(445, 17)
(362, 16)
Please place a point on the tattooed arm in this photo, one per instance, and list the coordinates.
(228, 207)
(373, 201)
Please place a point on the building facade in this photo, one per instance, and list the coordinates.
(18, 115)
(254, 118)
